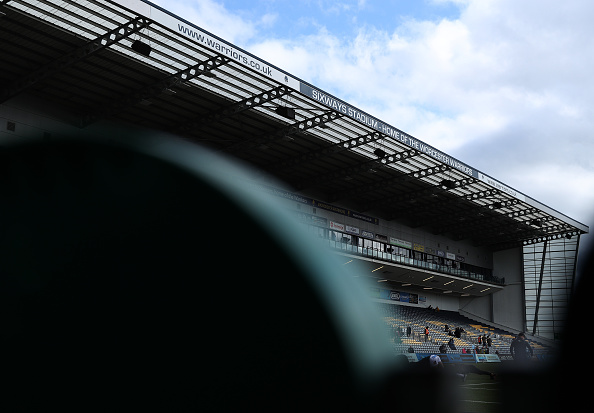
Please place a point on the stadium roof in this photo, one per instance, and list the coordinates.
(134, 62)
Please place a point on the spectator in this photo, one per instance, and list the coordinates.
(520, 349)
(411, 349)
(426, 333)
(397, 336)
(489, 341)
(464, 351)
(429, 363)
(451, 344)
(446, 328)
(408, 331)
(443, 349)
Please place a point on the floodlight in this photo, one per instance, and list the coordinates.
(447, 183)
(286, 112)
(379, 153)
(142, 48)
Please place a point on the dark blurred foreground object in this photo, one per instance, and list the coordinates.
(148, 276)
(564, 384)
(144, 276)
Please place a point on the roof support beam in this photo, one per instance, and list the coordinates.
(285, 132)
(174, 80)
(542, 266)
(328, 150)
(235, 108)
(78, 54)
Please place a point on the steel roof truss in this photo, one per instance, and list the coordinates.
(172, 81)
(78, 54)
(285, 132)
(236, 108)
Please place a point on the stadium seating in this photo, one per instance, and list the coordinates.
(399, 317)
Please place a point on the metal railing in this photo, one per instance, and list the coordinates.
(399, 259)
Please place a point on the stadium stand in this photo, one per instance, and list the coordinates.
(108, 296)
(399, 317)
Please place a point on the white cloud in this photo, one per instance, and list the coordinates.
(213, 17)
(268, 19)
(506, 88)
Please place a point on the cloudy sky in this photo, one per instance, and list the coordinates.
(504, 86)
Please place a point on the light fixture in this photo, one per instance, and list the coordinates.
(406, 285)
(347, 262)
(448, 184)
(429, 278)
(142, 48)
(449, 282)
(379, 153)
(482, 291)
(448, 292)
(378, 268)
(382, 281)
(427, 288)
(286, 112)
(469, 285)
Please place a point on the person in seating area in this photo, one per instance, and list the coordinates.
(520, 350)
(451, 344)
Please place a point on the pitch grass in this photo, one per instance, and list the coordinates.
(479, 393)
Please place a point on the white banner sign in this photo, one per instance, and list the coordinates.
(200, 36)
(336, 226)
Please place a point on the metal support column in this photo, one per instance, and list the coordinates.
(542, 264)
(577, 247)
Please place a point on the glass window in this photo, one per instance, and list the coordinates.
(557, 281)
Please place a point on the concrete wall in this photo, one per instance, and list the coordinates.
(508, 304)
(476, 306)
(506, 307)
